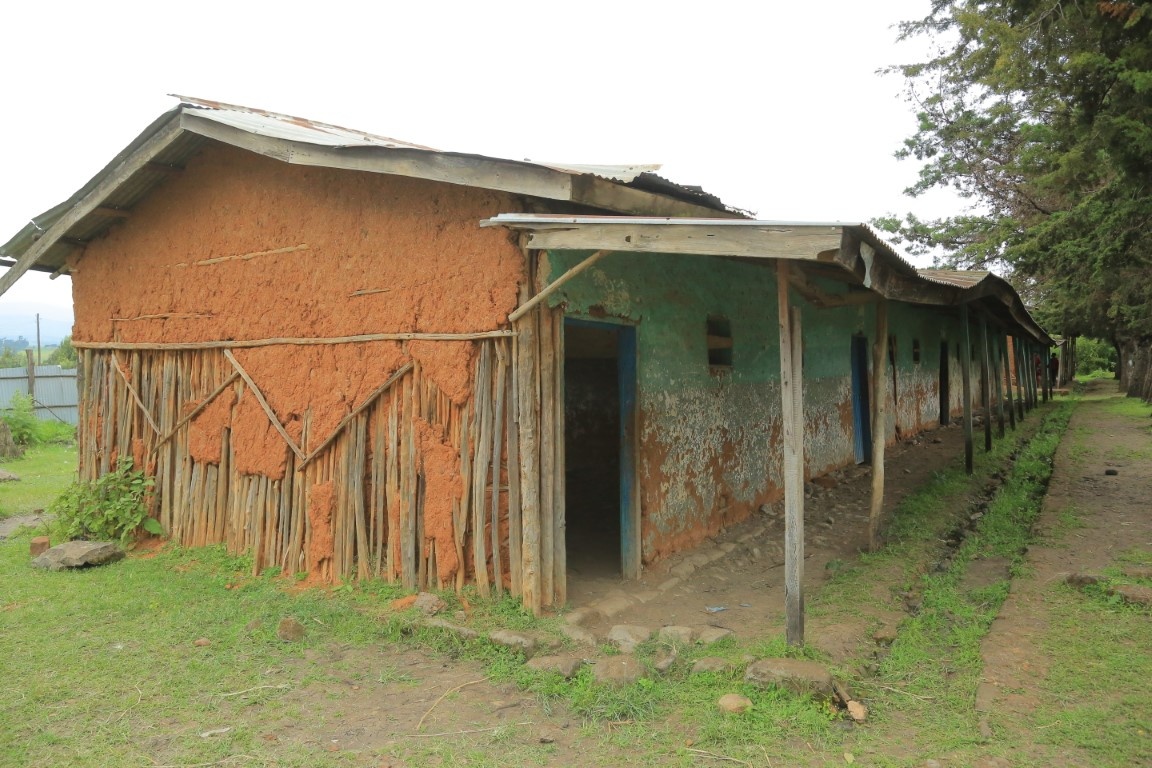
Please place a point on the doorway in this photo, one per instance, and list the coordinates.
(599, 432)
(861, 413)
(945, 395)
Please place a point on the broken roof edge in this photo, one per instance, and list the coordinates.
(713, 237)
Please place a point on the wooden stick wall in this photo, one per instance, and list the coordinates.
(142, 403)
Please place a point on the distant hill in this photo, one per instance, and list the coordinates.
(55, 324)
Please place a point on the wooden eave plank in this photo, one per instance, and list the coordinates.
(93, 200)
(421, 164)
(767, 242)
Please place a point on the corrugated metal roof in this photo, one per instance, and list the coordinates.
(956, 277)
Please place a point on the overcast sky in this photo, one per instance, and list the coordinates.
(775, 107)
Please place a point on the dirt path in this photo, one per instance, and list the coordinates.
(1089, 519)
(10, 525)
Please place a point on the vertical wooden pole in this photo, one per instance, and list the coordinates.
(559, 509)
(1018, 362)
(793, 435)
(527, 405)
(879, 422)
(547, 456)
(998, 382)
(966, 368)
(1006, 364)
(31, 374)
(985, 383)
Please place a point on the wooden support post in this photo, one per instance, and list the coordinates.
(31, 375)
(998, 382)
(527, 306)
(985, 384)
(793, 435)
(1021, 374)
(528, 411)
(966, 369)
(1006, 364)
(879, 422)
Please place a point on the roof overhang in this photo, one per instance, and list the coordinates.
(853, 251)
(47, 242)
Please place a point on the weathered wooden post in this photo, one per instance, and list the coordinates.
(966, 368)
(985, 384)
(792, 421)
(879, 421)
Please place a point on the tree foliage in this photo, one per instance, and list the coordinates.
(1039, 112)
(64, 355)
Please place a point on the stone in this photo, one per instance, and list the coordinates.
(582, 616)
(708, 634)
(647, 596)
(676, 634)
(668, 584)
(1111, 472)
(796, 675)
(579, 635)
(39, 545)
(711, 664)
(565, 666)
(202, 642)
(464, 633)
(665, 659)
(627, 636)
(517, 641)
(290, 630)
(79, 554)
(734, 704)
(614, 604)
(617, 670)
(1133, 593)
(884, 636)
(824, 481)
(857, 711)
(683, 570)
(429, 604)
(8, 477)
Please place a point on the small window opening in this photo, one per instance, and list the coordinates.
(916, 351)
(719, 342)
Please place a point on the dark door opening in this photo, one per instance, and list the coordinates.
(945, 396)
(598, 402)
(861, 413)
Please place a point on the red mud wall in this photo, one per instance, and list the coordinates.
(242, 247)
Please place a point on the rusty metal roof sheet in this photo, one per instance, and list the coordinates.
(960, 278)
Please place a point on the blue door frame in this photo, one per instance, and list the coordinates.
(861, 413)
(626, 382)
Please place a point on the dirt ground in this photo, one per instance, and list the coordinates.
(429, 710)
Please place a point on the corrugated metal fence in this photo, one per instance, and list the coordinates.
(55, 395)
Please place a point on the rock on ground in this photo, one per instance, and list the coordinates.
(517, 641)
(711, 664)
(734, 704)
(79, 554)
(617, 670)
(566, 666)
(796, 675)
(627, 636)
(8, 477)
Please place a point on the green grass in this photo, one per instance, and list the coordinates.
(44, 471)
(1095, 695)
(923, 689)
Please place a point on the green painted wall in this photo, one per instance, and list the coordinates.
(709, 439)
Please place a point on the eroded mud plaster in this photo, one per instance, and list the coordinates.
(709, 437)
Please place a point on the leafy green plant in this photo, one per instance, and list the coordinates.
(28, 430)
(21, 418)
(110, 508)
